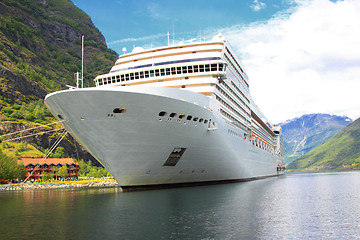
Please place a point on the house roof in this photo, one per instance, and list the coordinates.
(48, 161)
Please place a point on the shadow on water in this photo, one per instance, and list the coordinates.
(297, 206)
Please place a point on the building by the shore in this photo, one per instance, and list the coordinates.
(49, 166)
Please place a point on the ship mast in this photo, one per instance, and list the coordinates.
(82, 61)
(78, 78)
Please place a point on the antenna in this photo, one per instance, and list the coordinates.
(82, 61)
(173, 42)
(200, 32)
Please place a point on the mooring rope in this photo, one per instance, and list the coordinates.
(51, 149)
(17, 138)
(25, 130)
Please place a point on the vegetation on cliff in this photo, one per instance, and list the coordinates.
(40, 50)
(340, 152)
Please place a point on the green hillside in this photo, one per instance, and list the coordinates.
(342, 151)
(40, 48)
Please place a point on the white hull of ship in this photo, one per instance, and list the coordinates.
(135, 144)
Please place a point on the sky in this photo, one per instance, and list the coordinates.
(301, 56)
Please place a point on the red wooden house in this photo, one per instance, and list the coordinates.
(49, 165)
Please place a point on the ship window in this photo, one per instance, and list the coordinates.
(190, 70)
(172, 114)
(201, 68)
(173, 71)
(195, 119)
(127, 77)
(60, 117)
(162, 71)
(181, 116)
(220, 66)
(178, 70)
(207, 68)
(119, 110)
(152, 73)
(100, 82)
(162, 114)
(213, 67)
(196, 68)
(184, 69)
(168, 71)
(113, 79)
(200, 120)
(206, 121)
(131, 76)
(141, 74)
(157, 72)
(117, 78)
(146, 74)
(136, 75)
(189, 117)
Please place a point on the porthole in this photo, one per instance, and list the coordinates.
(206, 121)
(60, 117)
(172, 114)
(162, 114)
(200, 120)
(189, 117)
(181, 116)
(119, 110)
(195, 119)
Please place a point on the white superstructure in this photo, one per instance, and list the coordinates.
(173, 115)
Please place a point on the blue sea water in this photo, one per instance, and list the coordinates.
(294, 206)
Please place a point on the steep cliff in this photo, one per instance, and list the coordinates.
(40, 48)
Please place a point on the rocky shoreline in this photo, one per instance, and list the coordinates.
(16, 187)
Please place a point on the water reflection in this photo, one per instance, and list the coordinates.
(296, 206)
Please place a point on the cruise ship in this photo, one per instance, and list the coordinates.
(172, 116)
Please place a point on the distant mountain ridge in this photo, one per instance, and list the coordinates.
(304, 133)
(342, 151)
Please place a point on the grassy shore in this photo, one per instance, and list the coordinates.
(60, 184)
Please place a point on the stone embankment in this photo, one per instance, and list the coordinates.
(12, 187)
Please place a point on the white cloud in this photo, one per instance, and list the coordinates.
(305, 60)
(139, 39)
(257, 5)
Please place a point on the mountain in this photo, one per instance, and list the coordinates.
(300, 135)
(40, 48)
(342, 151)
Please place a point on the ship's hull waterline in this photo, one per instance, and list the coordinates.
(141, 148)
